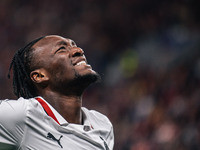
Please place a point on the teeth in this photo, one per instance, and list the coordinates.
(80, 63)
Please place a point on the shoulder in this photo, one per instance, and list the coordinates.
(97, 118)
(13, 114)
(11, 109)
(12, 106)
(102, 124)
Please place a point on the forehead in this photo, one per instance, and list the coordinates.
(44, 49)
(51, 40)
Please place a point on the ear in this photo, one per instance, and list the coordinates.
(39, 76)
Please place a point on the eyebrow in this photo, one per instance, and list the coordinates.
(61, 43)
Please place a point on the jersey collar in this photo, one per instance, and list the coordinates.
(57, 117)
(51, 111)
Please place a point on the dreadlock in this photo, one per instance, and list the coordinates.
(21, 67)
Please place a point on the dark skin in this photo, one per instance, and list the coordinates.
(59, 66)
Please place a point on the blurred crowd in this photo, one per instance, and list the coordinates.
(147, 53)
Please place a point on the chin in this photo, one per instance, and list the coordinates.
(88, 79)
(81, 82)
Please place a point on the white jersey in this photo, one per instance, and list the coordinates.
(25, 124)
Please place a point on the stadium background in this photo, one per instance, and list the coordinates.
(146, 51)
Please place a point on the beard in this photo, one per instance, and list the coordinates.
(86, 80)
(81, 82)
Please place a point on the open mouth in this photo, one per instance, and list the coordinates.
(80, 63)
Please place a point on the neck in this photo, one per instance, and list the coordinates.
(68, 106)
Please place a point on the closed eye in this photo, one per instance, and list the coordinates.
(60, 49)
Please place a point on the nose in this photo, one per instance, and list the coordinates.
(77, 51)
(74, 50)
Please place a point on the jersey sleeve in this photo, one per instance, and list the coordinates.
(12, 123)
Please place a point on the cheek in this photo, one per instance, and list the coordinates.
(62, 69)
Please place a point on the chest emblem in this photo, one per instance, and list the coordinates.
(51, 136)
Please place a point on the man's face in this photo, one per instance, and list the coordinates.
(62, 59)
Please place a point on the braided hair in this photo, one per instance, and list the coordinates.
(21, 67)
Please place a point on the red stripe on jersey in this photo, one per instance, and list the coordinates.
(47, 109)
